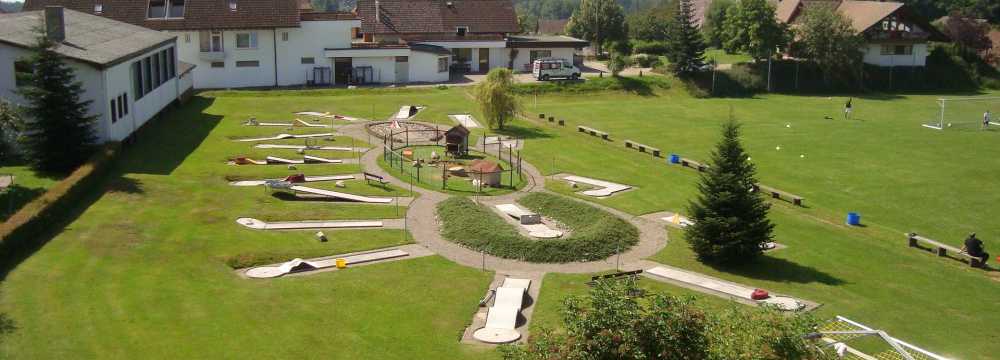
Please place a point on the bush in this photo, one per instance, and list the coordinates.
(646, 60)
(642, 86)
(596, 233)
(650, 47)
(43, 213)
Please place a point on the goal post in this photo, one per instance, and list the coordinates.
(965, 112)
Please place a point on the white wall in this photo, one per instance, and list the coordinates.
(230, 76)
(424, 67)
(524, 56)
(99, 86)
(873, 55)
(310, 40)
(383, 68)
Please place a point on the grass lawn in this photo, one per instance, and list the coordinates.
(143, 269)
(430, 177)
(28, 185)
(721, 57)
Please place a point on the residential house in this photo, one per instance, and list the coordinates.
(129, 73)
(895, 35)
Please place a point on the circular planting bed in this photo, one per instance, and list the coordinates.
(596, 234)
(407, 130)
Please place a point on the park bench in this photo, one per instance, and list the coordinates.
(942, 250)
(372, 177)
(592, 131)
(693, 164)
(778, 194)
(642, 148)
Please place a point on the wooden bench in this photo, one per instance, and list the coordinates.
(642, 148)
(369, 177)
(778, 194)
(592, 131)
(942, 250)
(693, 164)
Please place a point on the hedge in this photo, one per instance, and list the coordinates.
(596, 234)
(638, 85)
(47, 210)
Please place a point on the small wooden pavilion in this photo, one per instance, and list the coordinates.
(456, 141)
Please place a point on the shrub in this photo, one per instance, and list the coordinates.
(650, 47)
(642, 86)
(646, 60)
(596, 233)
(43, 213)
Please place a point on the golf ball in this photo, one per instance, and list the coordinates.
(777, 148)
(802, 156)
(788, 125)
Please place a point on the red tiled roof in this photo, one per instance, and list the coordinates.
(198, 14)
(328, 16)
(484, 167)
(437, 16)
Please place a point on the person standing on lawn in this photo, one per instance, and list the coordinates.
(847, 109)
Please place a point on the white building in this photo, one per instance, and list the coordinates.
(267, 43)
(894, 34)
(129, 73)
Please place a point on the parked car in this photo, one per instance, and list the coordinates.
(545, 69)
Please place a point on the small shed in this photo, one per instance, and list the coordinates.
(456, 141)
(486, 171)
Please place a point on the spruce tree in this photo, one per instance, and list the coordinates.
(686, 43)
(730, 220)
(58, 132)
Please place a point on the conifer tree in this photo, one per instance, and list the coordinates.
(58, 132)
(686, 44)
(730, 220)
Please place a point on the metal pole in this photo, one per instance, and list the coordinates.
(769, 74)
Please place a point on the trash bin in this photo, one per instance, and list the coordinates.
(675, 159)
(341, 263)
(853, 219)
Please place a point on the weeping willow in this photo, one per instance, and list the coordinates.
(496, 99)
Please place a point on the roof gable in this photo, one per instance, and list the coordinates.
(198, 14)
(92, 39)
(437, 16)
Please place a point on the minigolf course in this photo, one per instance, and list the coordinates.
(340, 195)
(327, 115)
(604, 188)
(725, 288)
(465, 120)
(530, 221)
(292, 179)
(274, 160)
(305, 147)
(299, 265)
(255, 224)
(677, 220)
(501, 320)
(285, 136)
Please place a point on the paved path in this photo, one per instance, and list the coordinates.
(425, 228)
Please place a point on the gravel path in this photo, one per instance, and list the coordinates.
(422, 222)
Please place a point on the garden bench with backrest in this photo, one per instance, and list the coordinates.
(693, 164)
(642, 147)
(914, 240)
(592, 131)
(372, 177)
(778, 194)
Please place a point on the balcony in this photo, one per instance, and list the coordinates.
(212, 55)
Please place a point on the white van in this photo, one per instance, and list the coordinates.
(545, 69)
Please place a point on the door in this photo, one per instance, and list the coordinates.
(342, 70)
(402, 69)
(484, 60)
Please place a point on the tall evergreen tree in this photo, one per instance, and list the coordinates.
(58, 132)
(687, 46)
(730, 220)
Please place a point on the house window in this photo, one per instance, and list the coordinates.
(147, 82)
(171, 63)
(98, 8)
(218, 64)
(402, 59)
(357, 33)
(539, 54)
(22, 73)
(137, 79)
(246, 40)
(308, 60)
(890, 49)
(210, 41)
(248, 63)
(114, 112)
(121, 107)
(284, 36)
(165, 9)
(461, 30)
(163, 66)
(461, 55)
(443, 64)
(232, 5)
(125, 102)
(155, 70)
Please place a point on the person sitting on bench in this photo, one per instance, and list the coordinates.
(974, 247)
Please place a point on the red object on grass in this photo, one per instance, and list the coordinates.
(759, 294)
(241, 160)
(297, 178)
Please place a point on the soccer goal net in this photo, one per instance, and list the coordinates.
(966, 113)
(852, 340)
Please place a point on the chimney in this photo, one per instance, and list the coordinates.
(378, 12)
(55, 25)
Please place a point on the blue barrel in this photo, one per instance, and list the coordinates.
(853, 219)
(675, 159)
